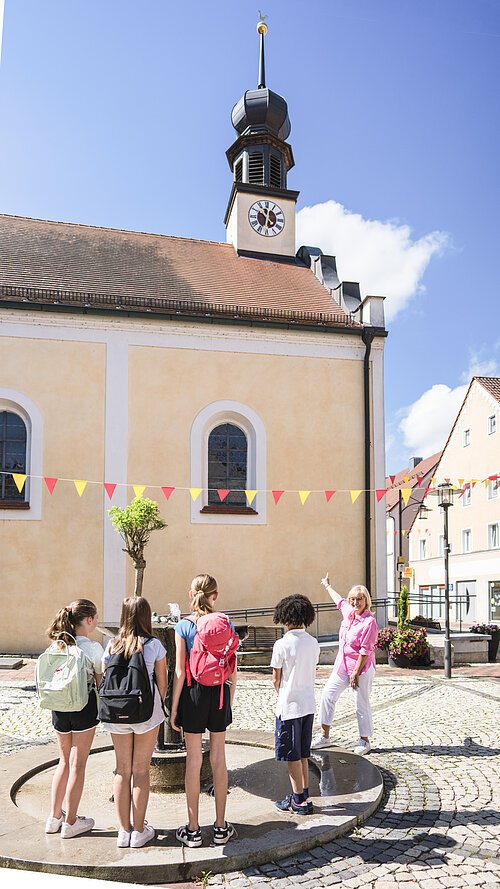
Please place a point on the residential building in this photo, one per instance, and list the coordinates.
(471, 461)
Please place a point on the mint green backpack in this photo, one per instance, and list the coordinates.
(63, 678)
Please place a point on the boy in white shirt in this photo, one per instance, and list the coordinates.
(294, 661)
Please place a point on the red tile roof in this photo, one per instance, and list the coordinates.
(421, 469)
(136, 269)
(491, 384)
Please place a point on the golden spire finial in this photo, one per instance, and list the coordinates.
(261, 24)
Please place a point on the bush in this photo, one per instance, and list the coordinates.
(409, 642)
(385, 638)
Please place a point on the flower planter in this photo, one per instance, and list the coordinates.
(402, 660)
(493, 648)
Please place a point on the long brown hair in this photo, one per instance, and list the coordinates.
(135, 624)
(63, 627)
(202, 587)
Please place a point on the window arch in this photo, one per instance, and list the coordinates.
(13, 456)
(227, 464)
(21, 432)
(219, 434)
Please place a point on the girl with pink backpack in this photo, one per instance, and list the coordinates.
(204, 685)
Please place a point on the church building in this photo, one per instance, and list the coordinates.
(238, 384)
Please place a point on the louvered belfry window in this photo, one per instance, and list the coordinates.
(256, 168)
(238, 171)
(12, 455)
(275, 176)
(227, 465)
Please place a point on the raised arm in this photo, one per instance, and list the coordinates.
(331, 592)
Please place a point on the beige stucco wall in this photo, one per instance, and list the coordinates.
(45, 564)
(241, 234)
(312, 410)
(474, 462)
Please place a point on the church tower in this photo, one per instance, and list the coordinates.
(260, 216)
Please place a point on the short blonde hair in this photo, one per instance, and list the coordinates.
(362, 591)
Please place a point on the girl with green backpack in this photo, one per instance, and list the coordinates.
(67, 674)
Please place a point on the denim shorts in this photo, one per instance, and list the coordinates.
(292, 738)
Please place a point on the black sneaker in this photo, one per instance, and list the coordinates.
(288, 804)
(223, 834)
(310, 808)
(191, 838)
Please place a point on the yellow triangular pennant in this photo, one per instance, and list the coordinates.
(461, 482)
(19, 479)
(139, 490)
(303, 496)
(403, 532)
(195, 493)
(406, 479)
(80, 485)
(355, 495)
(405, 494)
(250, 495)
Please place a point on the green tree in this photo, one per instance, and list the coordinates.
(403, 607)
(135, 525)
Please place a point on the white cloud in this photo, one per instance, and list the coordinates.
(428, 421)
(380, 255)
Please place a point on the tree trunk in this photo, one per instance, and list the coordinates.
(139, 573)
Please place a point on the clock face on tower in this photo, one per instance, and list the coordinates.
(266, 218)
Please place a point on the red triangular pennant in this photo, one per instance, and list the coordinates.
(419, 480)
(329, 495)
(110, 489)
(277, 495)
(50, 482)
(380, 492)
(392, 477)
(222, 492)
(167, 491)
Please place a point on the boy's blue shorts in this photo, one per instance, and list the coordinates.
(292, 738)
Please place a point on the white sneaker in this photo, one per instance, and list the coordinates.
(320, 740)
(362, 747)
(123, 839)
(139, 838)
(81, 825)
(53, 825)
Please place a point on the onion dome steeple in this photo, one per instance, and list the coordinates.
(261, 155)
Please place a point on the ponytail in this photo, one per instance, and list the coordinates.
(203, 586)
(67, 619)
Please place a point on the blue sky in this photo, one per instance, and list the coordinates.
(117, 113)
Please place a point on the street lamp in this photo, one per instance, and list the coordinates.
(444, 494)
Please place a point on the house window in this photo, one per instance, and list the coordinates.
(227, 465)
(228, 452)
(494, 590)
(423, 549)
(13, 444)
(466, 540)
(441, 544)
(467, 496)
(21, 449)
(492, 488)
(494, 536)
(466, 439)
(492, 424)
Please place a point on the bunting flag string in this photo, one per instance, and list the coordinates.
(20, 480)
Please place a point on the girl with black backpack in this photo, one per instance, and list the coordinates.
(132, 689)
(197, 707)
(75, 729)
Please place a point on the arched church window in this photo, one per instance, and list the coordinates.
(13, 439)
(256, 168)
(227, 464)
(275, 171)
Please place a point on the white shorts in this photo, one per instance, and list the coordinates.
(139, 728)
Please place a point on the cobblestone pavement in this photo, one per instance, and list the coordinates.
(436, 743)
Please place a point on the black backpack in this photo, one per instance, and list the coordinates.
(125, 692)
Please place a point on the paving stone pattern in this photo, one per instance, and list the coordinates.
(436, 743)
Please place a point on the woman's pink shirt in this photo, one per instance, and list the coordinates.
(358, 634)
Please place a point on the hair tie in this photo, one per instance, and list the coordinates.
(67, 609)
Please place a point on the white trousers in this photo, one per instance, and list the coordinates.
(334, 687)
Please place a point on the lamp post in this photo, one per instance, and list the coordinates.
(445, 500)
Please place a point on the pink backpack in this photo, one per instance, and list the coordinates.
(213, 656)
